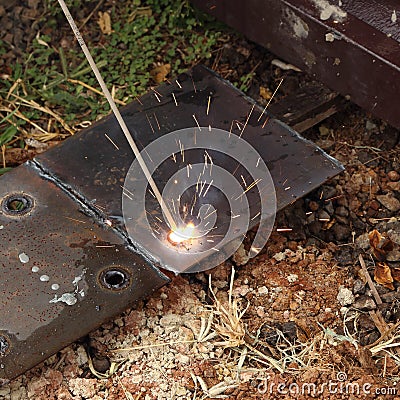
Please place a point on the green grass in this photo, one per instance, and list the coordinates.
(48, 90)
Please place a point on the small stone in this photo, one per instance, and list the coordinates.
(341, 232)
(313, 205)
(394, 176)
(35, 269)
(394, 186)
(101, 364)
(24, 258)
(364, 303)
(44, 278)
(362, 241)
(345, 297)
(366, 322)
(359, 287)
(241, 257)
(369, 126)
(55, 286)
(262, 290)
(292, 278)
(342, 211)
(389, 297)
(389, 201)
(323, 216)
(1, 227)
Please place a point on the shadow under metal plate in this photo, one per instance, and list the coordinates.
(66, 262)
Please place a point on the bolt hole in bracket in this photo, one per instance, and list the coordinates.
(66, 262)
(17, 204)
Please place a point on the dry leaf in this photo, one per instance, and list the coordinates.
(383, 275)
(160, 73)
(396, 274)
(380, 244)
(104, 22)
(265, 93)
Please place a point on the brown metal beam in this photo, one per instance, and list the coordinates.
(353, 49)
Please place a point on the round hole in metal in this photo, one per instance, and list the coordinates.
(17, 204)
(115, 278)
(4, 345)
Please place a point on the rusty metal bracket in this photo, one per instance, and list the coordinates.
(351, 48)
(67, 263)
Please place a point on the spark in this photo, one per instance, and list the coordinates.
(137, 98)
(269, 101)
(127, 195)
(197, 122)
(173, 205)
(194, 203)
(126, 190)
(108, 137)
(197, 183)
(208, 104)
(151, 192)
(105, 246)
(255, 216)
(284, 229)
(247, 120)
(194, 86)
(202, 187)
(255, 249)
(151, 126)
(181, 235)
(254, 183)
(158, 124)
(156, 94)
(174, 157)
(211, 213)
(244, 182)
(177, 82)
(288, 188)
(173, 95)
(214, 248)
(265, 122)
(210, 241)
(158, 99)
(212, 180)
(258, 161)
(182, 149)
(211, 161)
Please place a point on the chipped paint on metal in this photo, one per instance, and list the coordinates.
(328, 10)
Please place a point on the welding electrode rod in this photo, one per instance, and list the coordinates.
(117, 114)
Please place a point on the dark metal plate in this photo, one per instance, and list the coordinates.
(90, 166)
(70, 236)
(62, 273)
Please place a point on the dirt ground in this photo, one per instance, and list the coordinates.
(312, 325)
